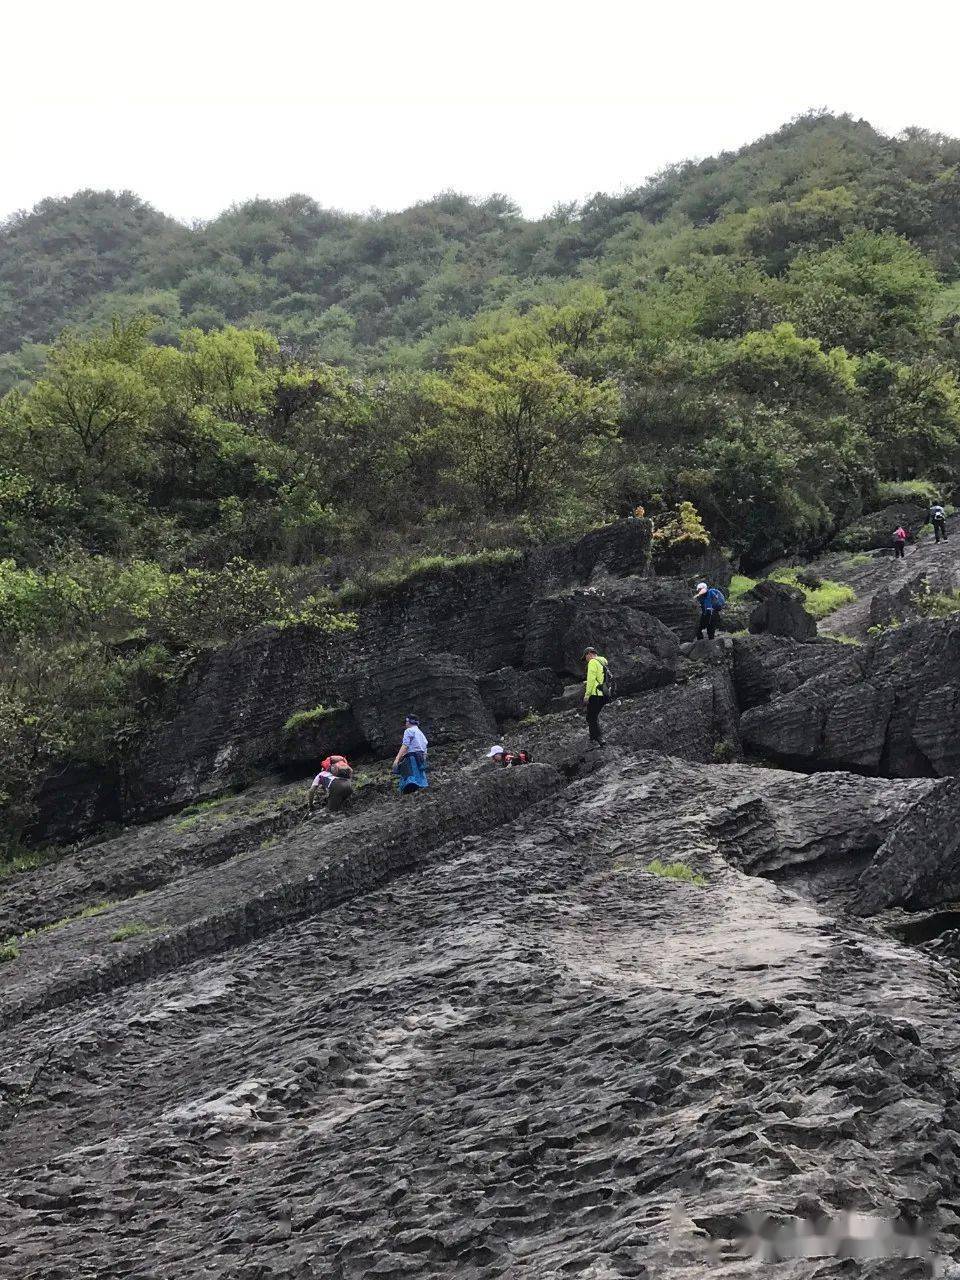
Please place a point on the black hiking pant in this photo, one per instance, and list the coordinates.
(899, 549)
(594, 707)
(339, 794)
(940, 530)
(708, 619)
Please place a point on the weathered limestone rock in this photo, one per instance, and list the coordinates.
(780, 612)
(642, 651)
(451, 1035)
(439, 689)
(875, 530)
(918, 865)
(315, 734)
(888, 708)
(764, 667)
(511, 694)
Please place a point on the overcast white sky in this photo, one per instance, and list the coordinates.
(195, 104)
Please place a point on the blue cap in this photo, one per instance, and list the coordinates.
(411, 719)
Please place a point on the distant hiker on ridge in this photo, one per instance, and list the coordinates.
(938, 518)
(595, 692)
(900, 537)
(711, 600)
(410, 761)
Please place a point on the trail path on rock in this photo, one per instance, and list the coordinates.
(869, 573)
(529, 1058)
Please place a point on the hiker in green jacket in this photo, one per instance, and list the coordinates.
(594, 695)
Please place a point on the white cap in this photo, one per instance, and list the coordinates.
(494, 751)
(701, 587)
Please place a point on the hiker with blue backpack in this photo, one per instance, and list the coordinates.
(711, 600)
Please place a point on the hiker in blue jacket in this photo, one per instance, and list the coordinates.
(711, 600)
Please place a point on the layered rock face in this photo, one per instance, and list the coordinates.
(890, 707)
(478, 1037)
(780, 612)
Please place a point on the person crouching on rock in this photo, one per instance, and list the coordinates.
(594, 696)
(507, 759)
(334, 783)
(711, 600)
(900, 536)
(410, 763)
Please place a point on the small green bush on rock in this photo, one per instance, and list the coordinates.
(676, 871)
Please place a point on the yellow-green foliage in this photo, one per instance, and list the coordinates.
(819, 601)
(300, 719)
(681, 526)
(8, 951)
(676, 871)
(936, 604)
(129, 931)
(406, 572)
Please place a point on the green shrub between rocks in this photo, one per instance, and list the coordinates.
(676, 871)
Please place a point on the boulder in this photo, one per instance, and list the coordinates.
(75, 800)
(875, 530)
(918, 865)
(642, 652)
(691, 562)
(780, 612)
(890, 707)
(765, 667)
(225, 720)
(511, 694)
(310, 735)
(439, 689)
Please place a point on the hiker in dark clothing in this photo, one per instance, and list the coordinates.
(594, 695)
(900, 536)
(711, 600)
(938, 518)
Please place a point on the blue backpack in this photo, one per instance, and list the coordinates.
(715, 599)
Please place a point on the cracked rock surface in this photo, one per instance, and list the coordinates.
(512, 1051)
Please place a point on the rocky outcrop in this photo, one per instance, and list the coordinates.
(224, 722)
(513, 1050)
(642, 652)
(890, 707)
(311, 735)
(511, 694)
(439, 689)
(918, 865)
(780, 612)
(875, 530)
(766, 667)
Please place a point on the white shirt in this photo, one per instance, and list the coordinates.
(413, 738)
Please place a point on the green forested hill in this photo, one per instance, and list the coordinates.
(351, 289)
(209, 427)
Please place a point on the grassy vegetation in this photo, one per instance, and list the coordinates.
(126, 931)
(676, 871)
(819, 601)
(192, 816)
(97, 909)
(301, 719)
(406, 572)
(937, 604)
(28, 861)
(841, 639)
(740, 584)
(8, 951)
(723, 751)
(923, 492)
